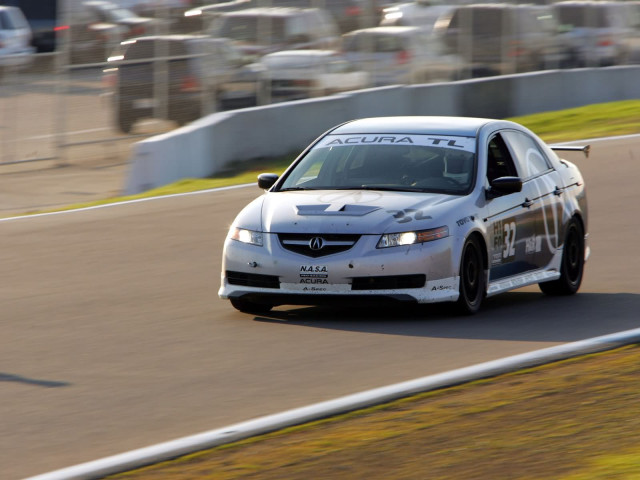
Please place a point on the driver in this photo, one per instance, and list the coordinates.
(458, 166)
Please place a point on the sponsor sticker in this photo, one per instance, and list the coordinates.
(314, 274)
(316, 288)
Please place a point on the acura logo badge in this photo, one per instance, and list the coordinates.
(316, 243)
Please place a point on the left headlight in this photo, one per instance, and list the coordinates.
(246, 236)
(410, 238)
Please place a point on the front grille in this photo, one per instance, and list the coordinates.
(252, 280)
(317, 245)
(390, 282)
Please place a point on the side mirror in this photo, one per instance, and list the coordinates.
(504, 186)
(266, 180)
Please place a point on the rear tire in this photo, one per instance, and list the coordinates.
(246, 306)
(472, 278)
(572, 267)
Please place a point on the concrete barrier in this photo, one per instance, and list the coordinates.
(213, 143)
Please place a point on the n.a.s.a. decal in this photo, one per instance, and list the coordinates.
(314, 274)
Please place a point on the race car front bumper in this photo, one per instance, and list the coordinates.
(421, 273)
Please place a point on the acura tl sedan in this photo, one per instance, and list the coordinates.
(411, 209)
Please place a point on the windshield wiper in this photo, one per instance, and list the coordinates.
(295, 189)
(391, 189)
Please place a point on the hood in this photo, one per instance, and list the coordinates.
(350, 211)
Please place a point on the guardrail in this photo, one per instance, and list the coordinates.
(211, 144)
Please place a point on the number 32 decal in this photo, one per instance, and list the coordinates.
(509, 240)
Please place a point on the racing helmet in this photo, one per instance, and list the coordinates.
(458, 165)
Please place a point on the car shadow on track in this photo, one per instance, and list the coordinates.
(9, 377)
(525, 316)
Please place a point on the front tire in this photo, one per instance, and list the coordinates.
(472, 278)
(572, 267)
(246, 306)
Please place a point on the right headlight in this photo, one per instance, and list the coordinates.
(246, 236)
(410, 238)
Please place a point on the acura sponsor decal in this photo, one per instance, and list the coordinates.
(314, 274)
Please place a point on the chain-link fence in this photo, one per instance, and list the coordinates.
(120, 71)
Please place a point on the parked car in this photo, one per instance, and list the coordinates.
(98, 26)
(347, 14)
(414, 14)
(410, 209)
(258, 31)
(170, 11)
(43, 21)
(600, 33)
(179, 78)
(504, 38)
(296, 74)
(15, 38)
(400, 55)
(198, 19)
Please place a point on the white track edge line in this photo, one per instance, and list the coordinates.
(127, 202)
(193, 443)
(244, 185)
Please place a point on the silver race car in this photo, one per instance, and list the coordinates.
(416, 209)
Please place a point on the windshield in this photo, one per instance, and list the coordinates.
(367, 42)
(579, 16)
(263, 30)
(422, 163)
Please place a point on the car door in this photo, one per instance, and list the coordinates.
(511, 219)
(544, 184)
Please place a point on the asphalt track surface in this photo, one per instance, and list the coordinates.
(113, 337)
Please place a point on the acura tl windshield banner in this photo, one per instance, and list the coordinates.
(443, 141)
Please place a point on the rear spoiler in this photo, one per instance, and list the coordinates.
(572, 148)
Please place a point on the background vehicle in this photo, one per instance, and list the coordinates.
(198, 19)
(503, 38)
(179, 78)
(599, 33)
(410, 209)
(98, 26)
(170, 11)
(347, 14)
(414, 14)
(15, 38)
(258, 31)
(295, 74)
(397, 55)
(43, 19)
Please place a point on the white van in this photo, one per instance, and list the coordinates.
(258, 31)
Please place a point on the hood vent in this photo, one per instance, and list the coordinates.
(336, 209)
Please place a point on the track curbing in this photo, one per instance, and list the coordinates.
(243, 430)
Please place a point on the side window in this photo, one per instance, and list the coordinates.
(529, 157)
(499, 161)
(296, 26)
(309, 169)
(18, 19)
(4, 20)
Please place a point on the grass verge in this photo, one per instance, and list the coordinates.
(599, 120)
(574, 420)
